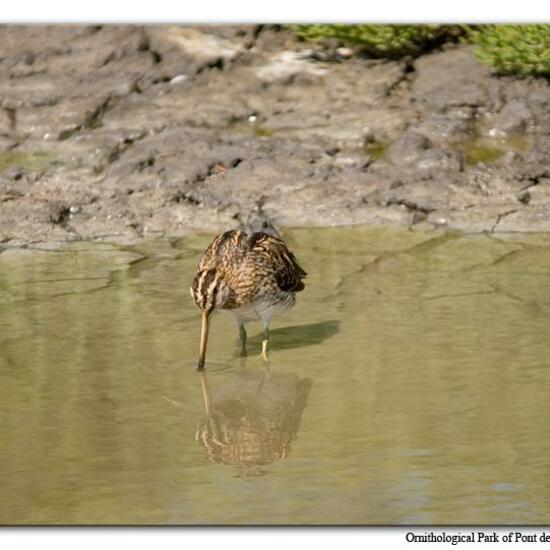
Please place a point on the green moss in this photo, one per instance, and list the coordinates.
(31, 161)
(482, 153)
(250, 128)
(488, 150)
(508, 49)
(376, 149)
(391, 41)
(514, 49)
(262, 131)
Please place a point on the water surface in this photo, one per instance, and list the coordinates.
(409, 385)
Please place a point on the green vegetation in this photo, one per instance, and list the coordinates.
(508, 49)
(262, 131)
(32, 161)
(482, 153)
(514, 49)
(375, 149)
(391, 41)
(488, 150)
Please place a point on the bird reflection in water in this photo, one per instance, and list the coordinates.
(252, 419)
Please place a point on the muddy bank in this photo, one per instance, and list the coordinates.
(120, 132)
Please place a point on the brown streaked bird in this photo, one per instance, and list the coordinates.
(251, 274)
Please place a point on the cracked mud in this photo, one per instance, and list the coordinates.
(124, 132)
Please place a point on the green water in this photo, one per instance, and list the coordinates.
(409, 385)
(479, 149)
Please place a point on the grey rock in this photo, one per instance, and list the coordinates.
(450, 79)
(14, 173)
(7, 143)
(288, 65)
(435, 161)
(179, 78)
(515, 118)
(409, 148)
(6, 123)
(444, 127)
(511, 158)
(344, 53)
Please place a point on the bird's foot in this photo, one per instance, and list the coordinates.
(264, 351)
(242, 338)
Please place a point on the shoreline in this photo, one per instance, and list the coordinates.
(137, 132)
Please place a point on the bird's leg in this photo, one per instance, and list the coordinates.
(265, 341)
(242, 336)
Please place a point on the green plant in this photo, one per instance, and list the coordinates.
(514, 49)
(375, 149)
(391, 41)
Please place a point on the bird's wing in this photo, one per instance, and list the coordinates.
(211, 257)
(287, 271)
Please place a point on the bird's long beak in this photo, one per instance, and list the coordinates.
(204, 340)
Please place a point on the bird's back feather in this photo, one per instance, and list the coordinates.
(253, 264)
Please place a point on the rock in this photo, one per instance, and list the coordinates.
(444, 127)
(515, 118)
(524, 197)
(511, 158)
(450, 79)
(204, 46)
(59, 212)
(409, 148)
(6, 123)
(535, 162)
(344, 53)
(529, 218)
(178, 79)
(319, 55)
(435, 160)
(368, 135)
(14, 173)
(286, 65)
(6, 143)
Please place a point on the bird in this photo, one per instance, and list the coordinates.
(253, 275)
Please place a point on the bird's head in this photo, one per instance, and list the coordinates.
(209, 291)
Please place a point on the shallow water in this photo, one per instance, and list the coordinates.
(409, 385)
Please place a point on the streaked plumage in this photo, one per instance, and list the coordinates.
(252, 274)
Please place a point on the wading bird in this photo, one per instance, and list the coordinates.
(251, 274)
